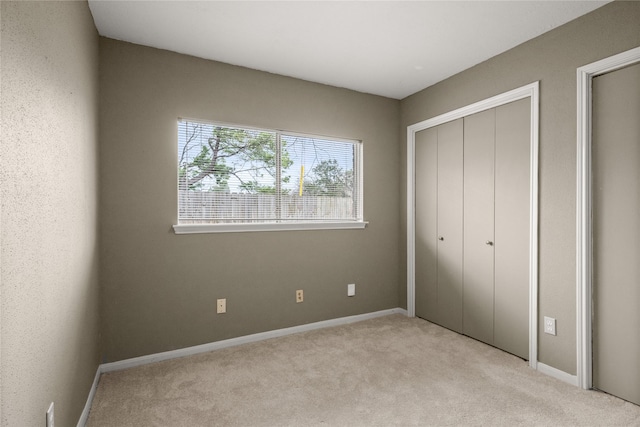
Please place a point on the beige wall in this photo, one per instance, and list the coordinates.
(48, 185)
(159, 289)
(551, 58)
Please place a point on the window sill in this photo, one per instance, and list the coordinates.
(294, 226)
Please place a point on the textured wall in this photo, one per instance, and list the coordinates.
(551, 58)
(48, 184)
(159, 289)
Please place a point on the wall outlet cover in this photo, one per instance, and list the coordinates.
(221, 306)
(299, 295)
(50, 418)
(549, 325)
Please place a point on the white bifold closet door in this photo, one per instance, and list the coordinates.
(439, 151)
(512, 219)
(616, 233)
(472, 226)
(479, 222)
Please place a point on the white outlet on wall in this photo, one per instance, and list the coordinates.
(50, 420)
(549, 325)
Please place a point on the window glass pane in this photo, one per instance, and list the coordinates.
(240, 175)
(319, 181)
(225, 174)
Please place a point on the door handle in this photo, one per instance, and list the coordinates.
(489, 243)
(441, 238)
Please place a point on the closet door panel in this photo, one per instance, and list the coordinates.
(479, 130)
(512, 211)
(426, 231)
(450, 164)
(616, 233)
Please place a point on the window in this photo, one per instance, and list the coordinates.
(243, 179)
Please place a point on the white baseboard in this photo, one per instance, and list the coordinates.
(557, 374)
(204, 348)
(217, 345)
(92, 392)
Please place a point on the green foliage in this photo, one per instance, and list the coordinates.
(253, 187)
(329, 179)
(250, 157)
(216, 157)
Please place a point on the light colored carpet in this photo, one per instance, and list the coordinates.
(389, 371)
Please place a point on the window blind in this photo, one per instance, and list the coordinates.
(244, 175)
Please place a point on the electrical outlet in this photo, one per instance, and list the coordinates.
(351, 289)
(549, 325)
(299, 295)
(50, 420)
(221, 306)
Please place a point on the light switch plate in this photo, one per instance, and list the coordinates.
(351, 289)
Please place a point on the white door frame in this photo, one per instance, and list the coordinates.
(529, 91)
(584, 267)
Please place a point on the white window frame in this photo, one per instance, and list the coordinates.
(285, 225)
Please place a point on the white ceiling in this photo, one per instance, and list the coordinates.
(388, 48)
